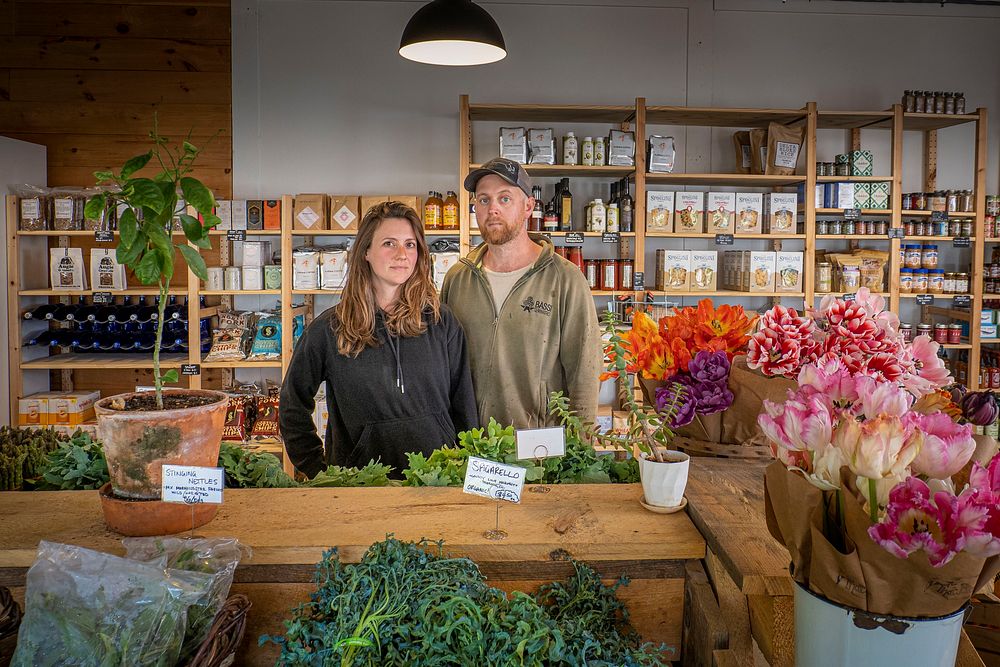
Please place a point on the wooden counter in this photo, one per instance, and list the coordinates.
(288, 529)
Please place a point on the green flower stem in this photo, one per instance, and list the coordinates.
(873, 500)
(157, 378)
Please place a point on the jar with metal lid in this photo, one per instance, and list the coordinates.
(939, 228)
(822, 227)
(842, 169)
(920, 228)
(920, 101)
(907, 201)
(949, 103)
(941, 333)
(906, 281)
(850, 279)
(590, 270)
(909, 101)
(925, 330)
(909, 228)
(955, 334)
(821, 169)
(949, 283)
(575, 255)
(937, 201)
(881, 227)
(960, 103)
(906, 330)
(626, 274)
(951, 199)
(824, 277)
(954, 227)
(938, 102)
(847, 227)
(989, 226)
(935, 281)
(920, 281)
(965, 201)
(869, 227)
(966, 228)
(836, 227)
(912, 256)
(962, 283)
(609, 275)
(920, 201)
(992, 205)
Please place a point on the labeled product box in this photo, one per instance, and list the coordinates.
(344, 212)
(34, 410)
(367, 201)
(514, 144)
(256, 253)
(659, 212)
(253, 277)
(677, 270)
(689, 212)
(744, 271)
(704, 270)
(309, 212)
(749, 212)
(844, 195)
(780, 211)
(861, 162)
(880, 194)
(255, 214)
(224, 211)
(413, 201)
(788, 271)
(332, 269)
(239, 208)
(720, 212)
(863, 195)
(272, 214)
(761, 273)
(72, 408)
(106, 274)
(817, 194)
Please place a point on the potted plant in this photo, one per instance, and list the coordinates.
(142, 431)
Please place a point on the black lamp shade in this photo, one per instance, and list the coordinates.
(452, 32)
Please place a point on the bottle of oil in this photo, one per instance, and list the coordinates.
(450, 211)
(433, 209)
(565, 207)
(625, 207)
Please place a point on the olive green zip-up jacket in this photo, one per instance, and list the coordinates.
(544, 337)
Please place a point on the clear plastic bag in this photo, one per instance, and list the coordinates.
(217, 557)
(92, 609)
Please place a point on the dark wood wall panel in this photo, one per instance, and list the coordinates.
(85, 77)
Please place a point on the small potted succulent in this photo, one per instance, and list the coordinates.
(142, 431)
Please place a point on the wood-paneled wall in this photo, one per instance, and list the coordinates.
(84, 78)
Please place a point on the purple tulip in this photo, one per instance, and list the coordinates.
(678, 396)
(980, 408)
(709, 368)
(711, 398)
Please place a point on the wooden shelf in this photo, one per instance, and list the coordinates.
(119, 360)
(853, 179)
(927, 214)
(989, 341)
(354, 232)
(712, 117)
(250, 232)
(852, 237)
(820, 295)
(578, 171)
(849, 120)
(936, 238)
(245, 292)
(175, 291)
(746, 180)
(914, 295)
(935, 121)
(243, 363)
(552, 113)
(738, 295)
(712, 235)
(956, 346)
(317, 291)
(840, 211)
(991, 296)
(590, 235)
(176, 232)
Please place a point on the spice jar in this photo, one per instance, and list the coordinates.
(989, 226)
(949, 103)
(954, 227)
(960, 103)
(951, 198)
(909, 101)
(941, 333)
(847, 227)
(590, 270)
(965, 201)
(881, 227)
(929, 256)
(824, 277)
(836, 228)
(912, 256)
(821, 169)
(920, 201)
(938, 102)
(920, 102)
(850, 279)
(906, 330)
(955, 334)
(925, 330)
(937, 201)
(906, 281)
(919, 281)
(626, 274)
(935, 281)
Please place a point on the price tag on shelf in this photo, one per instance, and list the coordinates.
(192, 485)
(574, 238)
(849, 297)
(897, 233)
(939, 216)
(103, 297)
(852, 214)
(610, 237)
(102, 236)
(724, 239)
(961, 301)
(236, 235)
(190, 369)
(925, 299)
(639, 281)
(494, 480)
(961, 242)
(540, 443)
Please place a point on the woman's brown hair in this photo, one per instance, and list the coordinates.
(357, 307)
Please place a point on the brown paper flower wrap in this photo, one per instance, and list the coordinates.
(862, 574)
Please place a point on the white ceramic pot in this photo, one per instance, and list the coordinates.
(663, 484)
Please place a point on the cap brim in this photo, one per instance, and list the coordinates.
(473, 178)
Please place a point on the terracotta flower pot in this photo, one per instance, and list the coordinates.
(145, 518)
(138, 443)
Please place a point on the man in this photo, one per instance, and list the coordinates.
(528, 314)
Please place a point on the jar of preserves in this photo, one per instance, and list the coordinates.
(940, 228)
(821, 169)
(941, 333)
(870, 227)
(590, 270)
(907, 201)
(929, 256)
(920, 281)
(909, 101)
(575, 255)
(822, 227)
(912, 256)
(906, 281)
(824, 277)
(920, 228)
(951, 200)
(920, 201)
(609, 275)
(937, 201)
(966, 228)
(925, 330)
(961, 283)
(935, 281)
(949, 283)
(626, 274)
(850, 279)
(847, 227)
(920, 101)
(836, 227)
(954, 227)
(949, 103)
(992, 204)
(881, 227)
(955, 334)
(938, 102)
(965, 201)
(906, 330)
(909, 228)
(989, 226)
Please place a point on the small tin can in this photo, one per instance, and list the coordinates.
(925, 330)
(216, 279)
(992, 205)
(821, 169)
(909, 228)
(955, 334)
(234, 279)
(869, 227)
(272, 276)
(954, 228)
(843, 169)
(919, 201)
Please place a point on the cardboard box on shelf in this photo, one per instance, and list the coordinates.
(367, 201)
(224, 210)
(861, 162)
(788, 271)
(344, 212)
(721, 212)
(761, 274)
(780, 211)
(704, 270)
(72, 408)
(310, 212)
(255, 214)
(34, 410)
(413, 201)
(272, 214)
(677, 270)
(880, 194)
(689, 212)
(239, 207)
(659, 212)
(256, 253)
(749, 212)
(863, 195)
(844, 195)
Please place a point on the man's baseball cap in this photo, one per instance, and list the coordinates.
(508, 170)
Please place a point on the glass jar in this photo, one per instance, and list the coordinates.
(575, 256)
(906, 281)
(869, 227)
(935, 281)
(960, 103)
(609, 275)
(961, 283)
(907, 201)
(925, 330)
(949, 103)
(906, 330)
(847, 227)
(966, 228)
(989, 226)
(909, 228)
(626, 274)
(920, 201)
(919, 281)
(850, 279)
(824, 277)
(821, 169)
(949, 283)
(940, 228)
(920, 228)
(920, 102)
(937, 201)
(836, 227)
(929, 256)
(912, 256)
(822, 227)
(951, 199)
(954, 227)
(590, 270)
(965, 201)
(992, 205)
(881, 227)
(941, 333)
(909, 101)
(955, 334)
(938, 102)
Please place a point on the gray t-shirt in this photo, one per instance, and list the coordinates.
(503, 283)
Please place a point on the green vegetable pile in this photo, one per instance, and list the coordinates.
(78, 463)
(246, 469)
(23, 454)
(402, 605)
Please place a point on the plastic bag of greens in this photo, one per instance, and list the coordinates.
(88, 608)
(217, 557)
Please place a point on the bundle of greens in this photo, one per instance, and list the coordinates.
(402, 605)
(373, 474)
(248, 469)
(77, 464)
(23, 454)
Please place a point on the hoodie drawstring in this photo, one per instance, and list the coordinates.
(394, 346)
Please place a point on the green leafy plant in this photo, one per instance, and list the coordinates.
(248, 469)
(145, 226)
(77, 464)
(23, 453)
(373, 474)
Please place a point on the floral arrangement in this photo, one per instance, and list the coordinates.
(689, 353)
(876, 439)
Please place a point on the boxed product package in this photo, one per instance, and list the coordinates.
(310, 212)
(677, 270)
(621, 149)
(863, 195)
(272, 214)
(514, 144)
(749, 212)
(367, 201)
(744, 271)
(660, 270)
(844, 194)
(255, 214)
(66, 270)
(659, 212)
(442, 262)
(224, 210)
(332, 269)
(761, 272)
(817, 194)
(661, 154)
(780, 209)
(72, 407)
(721, 211)
(880, 194)
(106, 274)
(305, 274)
(344, 212)
(541, 146)
(34, 410)
(861, 162)
(239, 208)
(704, 270)
(253, 278)
(783, 147)
(690, 210)
(788, 271)
(744, 160)
(256, 253)
(413, 201)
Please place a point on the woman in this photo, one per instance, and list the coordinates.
(393, 358)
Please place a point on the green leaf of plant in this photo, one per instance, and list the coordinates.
(136, 163)
(102, 176)
(128, 228)
(194, 260)
(190, 148)
(142, 192)
(166, 260)
(148, 269)
(158, 237)
(130, 255)
(95, 207)
(170, 376)
(192, 228)
(211, 220)
(197, 195)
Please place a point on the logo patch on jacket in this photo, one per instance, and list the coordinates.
(532, 305)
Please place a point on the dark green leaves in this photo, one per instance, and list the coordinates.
(197, 195)
(136, 163)
(143, 192)
(170, 376)
(194, 232)
(128, 228)
(103, 176)
(194, 261)
(95, 207)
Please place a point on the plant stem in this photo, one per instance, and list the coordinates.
(157, 378)
(873, 500)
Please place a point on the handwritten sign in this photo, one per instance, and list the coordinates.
(961, 242)
(101, 236)
(190, 369)
(850, 297)
(925, 299)
(961, 301)
(574, 238)
(192, 485)
(540, 443)
(103, 297)
(610, 237)
(852, 214)
(494, 480)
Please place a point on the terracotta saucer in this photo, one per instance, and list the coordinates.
(663, 510)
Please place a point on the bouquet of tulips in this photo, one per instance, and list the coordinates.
(862, 493)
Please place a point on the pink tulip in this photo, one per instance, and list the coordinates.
(914, 521)
(876, 448)
(929, 372)
(978, 518)
(831, 378)
(881, 398)
(946, 446)
(802, 423)
(988, 478)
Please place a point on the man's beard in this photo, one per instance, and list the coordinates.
(500, 236)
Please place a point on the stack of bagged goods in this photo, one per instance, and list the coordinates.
(63, 411)
(537, 145)
(862, 267)
(59, 209)
(444, 254)
(251, 336)
(319, 267)
(774, 151)
(252, 414)
(762, 271)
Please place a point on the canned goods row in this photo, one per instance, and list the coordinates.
(945, 334)
(932, 281)
(953, 227)
(602, 274)
(954, 201)
(916, 256)
(925, 101)
(833, 169)
(840, 227)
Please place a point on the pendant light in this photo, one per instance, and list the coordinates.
(452, 32)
